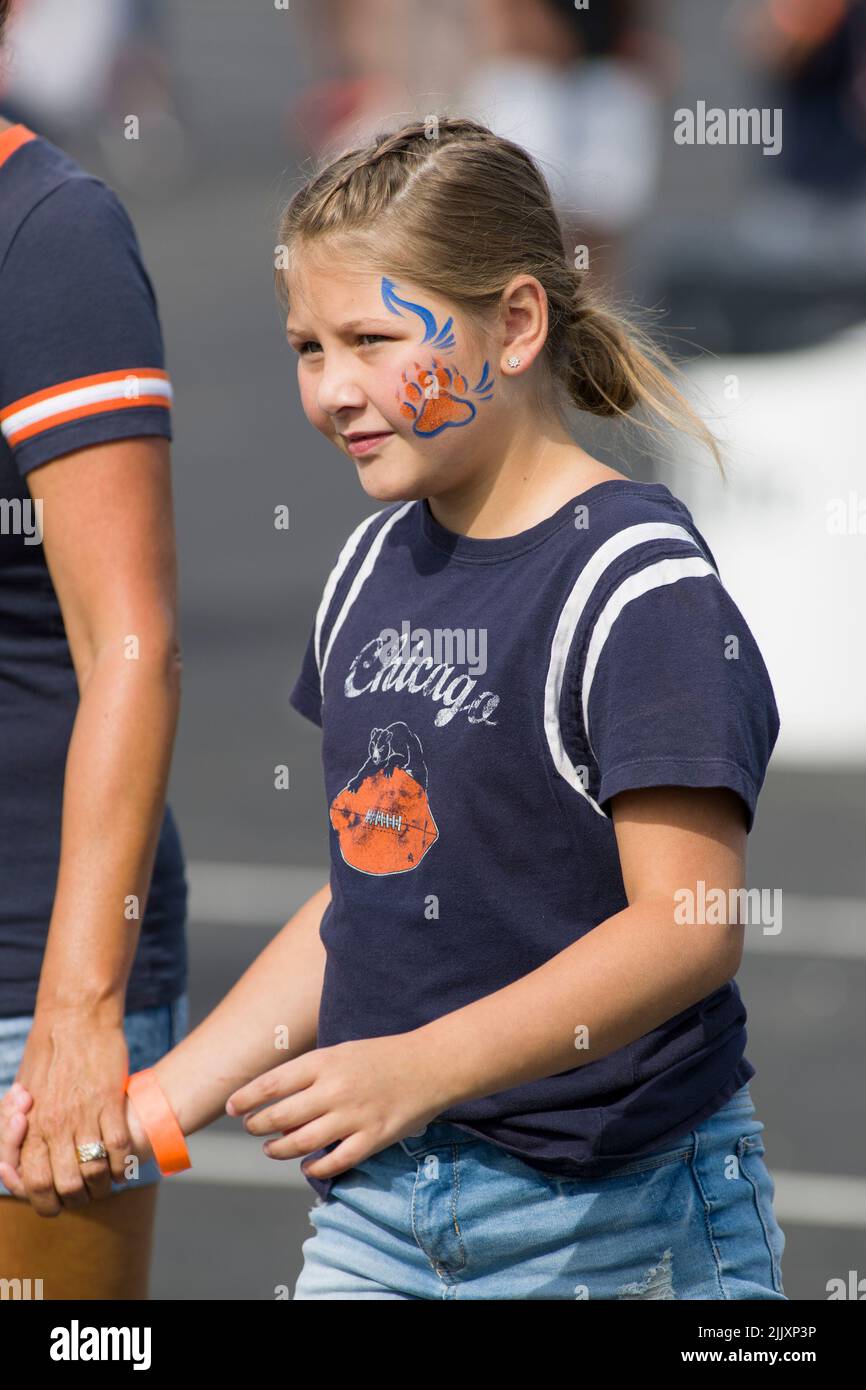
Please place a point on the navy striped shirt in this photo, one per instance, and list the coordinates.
(481, 701)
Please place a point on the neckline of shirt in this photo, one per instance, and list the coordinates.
(489, 550)
(12, 139)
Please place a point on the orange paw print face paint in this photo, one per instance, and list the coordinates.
(436, 399)
(439, 397)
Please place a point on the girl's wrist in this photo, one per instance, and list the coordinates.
(140, 1142)
(156, 1124)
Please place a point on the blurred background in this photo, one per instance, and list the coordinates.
(749, 263)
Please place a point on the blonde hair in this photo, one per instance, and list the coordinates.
(463, 213)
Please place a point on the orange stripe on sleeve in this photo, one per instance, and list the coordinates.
(76, 383)
(12, 140)
(97, 408)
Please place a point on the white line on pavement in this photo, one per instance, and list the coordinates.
(266, 895)
(820, 1199)
(249, 895)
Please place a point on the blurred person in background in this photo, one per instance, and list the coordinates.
(355, 54)
(783, 265)
(58, 60)
(814, 53)
(574, 87)
(81, 71)
(577, 88)
(92, 886)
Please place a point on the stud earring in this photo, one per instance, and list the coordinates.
(514, 361)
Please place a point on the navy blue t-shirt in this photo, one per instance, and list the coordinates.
(481, 702)
(81, 362)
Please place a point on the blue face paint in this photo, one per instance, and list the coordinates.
(435, 399)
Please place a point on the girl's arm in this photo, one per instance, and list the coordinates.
(625, 977)
(274, 1003)
(275, 1000)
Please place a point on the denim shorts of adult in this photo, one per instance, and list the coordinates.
(445, 1215)
(150, 1033)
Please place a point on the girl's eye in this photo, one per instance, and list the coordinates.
(312, 346)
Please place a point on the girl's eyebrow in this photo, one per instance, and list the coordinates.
(351, 324)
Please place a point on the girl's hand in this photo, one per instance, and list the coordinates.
(368, 1093)
(13, 1127)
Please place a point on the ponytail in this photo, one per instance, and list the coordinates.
(610, 367)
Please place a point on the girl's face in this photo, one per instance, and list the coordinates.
(384, 359)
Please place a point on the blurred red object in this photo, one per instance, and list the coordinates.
(326, 106)
(810, 22)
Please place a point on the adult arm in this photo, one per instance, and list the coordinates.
(108, 541)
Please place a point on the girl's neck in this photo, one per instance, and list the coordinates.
(521, 493)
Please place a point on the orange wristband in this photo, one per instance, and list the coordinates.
(159, 1122)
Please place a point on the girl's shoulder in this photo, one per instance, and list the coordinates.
(621, 515)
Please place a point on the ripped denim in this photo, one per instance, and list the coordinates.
(443, 1214)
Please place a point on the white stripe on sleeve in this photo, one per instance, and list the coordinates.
(572, 612)
(116, 390)
(653, 577)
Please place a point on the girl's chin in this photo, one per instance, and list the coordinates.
(387, 490)
(387, 481)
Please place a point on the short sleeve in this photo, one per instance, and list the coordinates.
(675, 692)
(306, 694)
(81, 351)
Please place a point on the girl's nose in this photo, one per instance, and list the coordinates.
(339, 389)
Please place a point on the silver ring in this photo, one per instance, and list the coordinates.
(88, 1152)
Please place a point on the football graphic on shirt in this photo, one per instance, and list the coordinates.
(382, 816)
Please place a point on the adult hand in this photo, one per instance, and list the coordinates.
(75, 1066)
(13, 1127)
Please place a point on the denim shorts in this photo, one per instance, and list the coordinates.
(150, 1033)
(443, 1214)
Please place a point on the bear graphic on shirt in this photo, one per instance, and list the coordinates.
(382, 816)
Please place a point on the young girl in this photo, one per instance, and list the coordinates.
(516, 1048)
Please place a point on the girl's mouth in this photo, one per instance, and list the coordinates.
(363, 443)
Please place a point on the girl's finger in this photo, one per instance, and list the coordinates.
(247, 1098)
(16, 1098)
(11, 1180)
(12, 1133)
(289, 1077)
